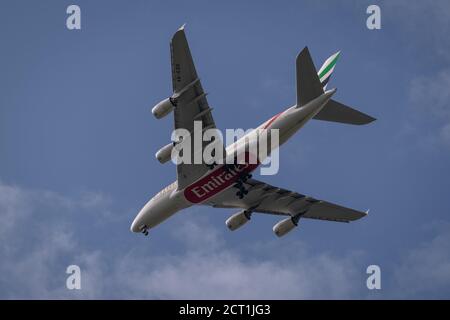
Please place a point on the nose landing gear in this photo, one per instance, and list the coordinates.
(144, 230)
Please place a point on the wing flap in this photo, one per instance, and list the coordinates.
(265, 198)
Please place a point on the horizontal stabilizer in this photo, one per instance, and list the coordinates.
(337, 112)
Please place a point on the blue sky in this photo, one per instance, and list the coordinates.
(77, 146)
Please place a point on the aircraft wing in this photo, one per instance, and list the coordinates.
(191, 104)
(265, 198)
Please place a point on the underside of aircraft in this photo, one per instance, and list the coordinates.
(232, 186)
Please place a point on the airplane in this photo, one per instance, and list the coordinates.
(225, 186)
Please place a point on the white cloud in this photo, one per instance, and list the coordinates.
(13, 207)
(426, 24)
(424, 28)
(42, 239)
(432, 95)
(38, 242)
(425, 271)
(445, 133)
(216, 271)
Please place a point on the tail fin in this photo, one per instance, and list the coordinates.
(308, 83)
(311, 84)
(335, 111)
(327, 69)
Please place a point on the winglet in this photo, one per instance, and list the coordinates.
(182, 27)
(367, 212)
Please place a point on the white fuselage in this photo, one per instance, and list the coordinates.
(171, 200)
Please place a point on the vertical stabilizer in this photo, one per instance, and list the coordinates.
(327, 69)
(309, 86)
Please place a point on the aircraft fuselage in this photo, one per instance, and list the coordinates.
(170, 200)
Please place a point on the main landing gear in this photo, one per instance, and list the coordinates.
(240, 185)
(239, 182)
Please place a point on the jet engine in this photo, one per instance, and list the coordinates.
(165, 153)
(285, 226)
(237, 220)
(163, 108)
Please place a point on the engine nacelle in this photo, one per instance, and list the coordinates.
(163, 108)
(237, 220)
(165, 153)
(285, 226)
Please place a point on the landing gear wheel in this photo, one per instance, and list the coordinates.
(238, 184)
(144, 230)
(242, 191)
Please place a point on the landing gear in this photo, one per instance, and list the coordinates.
(246, 177)
(144, 230)
(240, 185)
(241, 193)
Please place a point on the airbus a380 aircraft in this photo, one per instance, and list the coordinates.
(222, 186)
